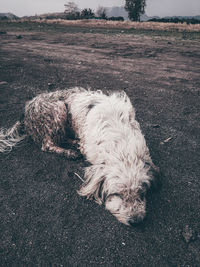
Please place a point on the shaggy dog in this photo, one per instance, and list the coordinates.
(107, 133)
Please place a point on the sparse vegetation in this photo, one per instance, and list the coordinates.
(151, 26)
(101, 12)
(87, 13)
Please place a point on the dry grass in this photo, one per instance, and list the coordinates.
(127, 25)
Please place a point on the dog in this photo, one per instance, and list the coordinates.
(108, 135)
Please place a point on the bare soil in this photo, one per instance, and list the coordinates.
(43, 219)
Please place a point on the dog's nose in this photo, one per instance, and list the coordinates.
(135, 220)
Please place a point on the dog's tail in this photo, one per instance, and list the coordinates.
(11, 137)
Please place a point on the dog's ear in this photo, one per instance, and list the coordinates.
(93, 185)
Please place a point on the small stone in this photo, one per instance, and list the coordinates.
(3, 82)
(166, 140)
(188, 234)
(50, 85)
(156, 126)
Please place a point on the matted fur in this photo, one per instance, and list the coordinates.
(108, 135)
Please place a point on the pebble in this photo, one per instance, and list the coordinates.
(156, 126)
(3, 82)
(188, 234)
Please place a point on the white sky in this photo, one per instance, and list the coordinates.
(154, 7)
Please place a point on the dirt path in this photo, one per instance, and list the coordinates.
(42, 217)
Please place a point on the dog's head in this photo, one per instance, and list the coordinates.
(124, 198)
(128, 206)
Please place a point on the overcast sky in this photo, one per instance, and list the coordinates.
(154, 7)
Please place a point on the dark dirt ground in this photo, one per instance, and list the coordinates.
(43, 219)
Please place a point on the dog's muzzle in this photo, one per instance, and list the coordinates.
(135, 220)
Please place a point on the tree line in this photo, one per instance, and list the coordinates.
(135, 9)
(176, 20)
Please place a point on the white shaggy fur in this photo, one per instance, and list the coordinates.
(109, 137)
(112, 142)
(10, 137)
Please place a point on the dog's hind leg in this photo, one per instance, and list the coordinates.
(49, 146)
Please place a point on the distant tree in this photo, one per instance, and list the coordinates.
(135, 8)
(101, 12)
(87, 13)
(72, 11)
(71, 8)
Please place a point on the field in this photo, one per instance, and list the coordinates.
(43, 219)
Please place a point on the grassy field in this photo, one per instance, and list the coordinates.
(130, 25)
(107, 27)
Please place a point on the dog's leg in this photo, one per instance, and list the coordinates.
(153, 166)
(51, 147)
(154, 173)
(148, 160)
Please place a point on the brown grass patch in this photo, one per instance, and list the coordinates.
(126, 25)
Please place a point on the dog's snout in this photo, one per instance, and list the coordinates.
(135, 220)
